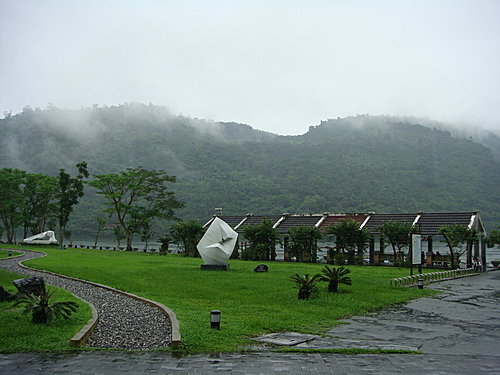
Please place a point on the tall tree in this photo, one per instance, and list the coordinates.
(262, 238)
(398, 235)
(146, 234)
(119, 234)
(101, 224)
(349, 238)
(304, 242)
(70, 190)
(493, 238)
(11, 200)
(136, 196)
(456, 236)
(40, 207)
(187, 234)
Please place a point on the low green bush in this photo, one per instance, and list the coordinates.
(19, 334)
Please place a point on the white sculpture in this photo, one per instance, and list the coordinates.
(217, 243)
(45, 238)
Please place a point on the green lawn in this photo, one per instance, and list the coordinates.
(5, 253)
(19, 334)
(251, 303)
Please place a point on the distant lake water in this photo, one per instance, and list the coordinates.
(135, 244)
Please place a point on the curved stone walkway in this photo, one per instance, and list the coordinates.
(124, 322)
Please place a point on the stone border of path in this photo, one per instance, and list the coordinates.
(85, 332)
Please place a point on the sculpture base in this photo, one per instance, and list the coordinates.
(214, 267)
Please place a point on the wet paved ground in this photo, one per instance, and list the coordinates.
(458, 332)
(245, 364)
(463, 320)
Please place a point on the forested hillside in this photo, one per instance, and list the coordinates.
(356, 164)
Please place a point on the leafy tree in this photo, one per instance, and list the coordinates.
(101, 224)
(304, 240)
(146, 233)
(119, 234)
(41, 308)
(187, 234)
(68, 234)
(335, 276)
(306, 284)
(137, 196)
(262, 238)
(349, 238)
(455, 236)
(398, 235)
(165, 241)
(11, 200)
(494, 238)
(40, 192)
(70, 190)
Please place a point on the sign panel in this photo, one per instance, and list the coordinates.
(416, 245)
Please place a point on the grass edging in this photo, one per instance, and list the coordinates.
(85, 332)
(82, 335)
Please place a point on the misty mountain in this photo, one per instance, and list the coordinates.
(356, 164)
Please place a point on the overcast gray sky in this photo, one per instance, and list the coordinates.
(279, 66)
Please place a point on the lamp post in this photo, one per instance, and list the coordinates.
(215, 319)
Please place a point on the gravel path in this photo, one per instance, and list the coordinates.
(124, 323)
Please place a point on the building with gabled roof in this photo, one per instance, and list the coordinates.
(375, 221)
(429, 223)
(335, 219)
(426, 223)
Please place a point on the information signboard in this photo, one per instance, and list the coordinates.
(416, 245)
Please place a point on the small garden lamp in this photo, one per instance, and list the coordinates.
(420, 283)
(215, 319)
(10, 253)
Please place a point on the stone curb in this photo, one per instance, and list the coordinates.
(82, 336)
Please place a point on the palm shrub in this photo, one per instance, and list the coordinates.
(335, 276)
(42, 309)
(306, 284)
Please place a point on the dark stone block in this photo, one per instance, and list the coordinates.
(261, 268)
(32, 285)
(214, 267)
(6, 296)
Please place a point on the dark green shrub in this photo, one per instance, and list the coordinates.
(358, 260)
(42, 310)
(306, 284)
(335, 276)
(339, 259)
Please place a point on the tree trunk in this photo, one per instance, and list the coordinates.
(395, 253)
(96, 237)
(128, 236)
(61, 237)
(303, 293)
(333, 287)
(39, 317)
(452, 258)
(10, 235)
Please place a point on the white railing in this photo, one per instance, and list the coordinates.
(432, 276)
